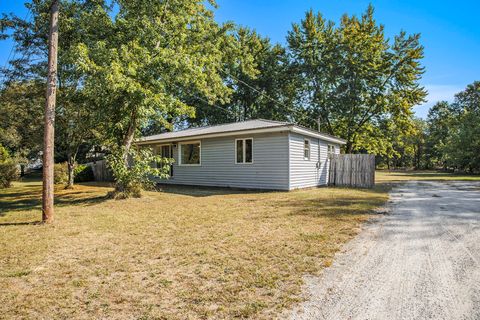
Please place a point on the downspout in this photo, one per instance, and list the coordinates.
(319, 164)
(318, 160)
(288, 162)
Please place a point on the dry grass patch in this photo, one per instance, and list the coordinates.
(184, 253)
(382, 176)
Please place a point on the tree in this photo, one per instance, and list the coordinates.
(75, 120)
(266, 94)
(8, 168)
(146, 59)
(75, 125)
(351, 77)
(21, 119)
(462, 147)
(440, 121)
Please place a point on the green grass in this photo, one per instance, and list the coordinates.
(184, 253)
(383, 176)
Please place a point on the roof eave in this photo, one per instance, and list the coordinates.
(279, 128)
(319, 135)
(143, 141)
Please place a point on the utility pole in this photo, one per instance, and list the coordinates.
(49, 131)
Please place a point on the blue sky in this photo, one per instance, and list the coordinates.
(450, 31)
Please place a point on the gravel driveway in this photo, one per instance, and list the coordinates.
(421, 261)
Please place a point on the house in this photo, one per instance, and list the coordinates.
(254, 154)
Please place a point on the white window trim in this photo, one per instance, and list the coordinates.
(331, 149)
(180, 154)
(309, 149)
(244, 151)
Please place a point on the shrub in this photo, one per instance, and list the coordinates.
(60, 173)
(4, 155)
(131, 179)
(83, 173)
(8, 169)
(8, 173)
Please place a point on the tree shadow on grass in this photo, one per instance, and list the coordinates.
(13, 224)
(204, 191)
(22, 201)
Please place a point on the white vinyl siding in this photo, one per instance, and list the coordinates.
(303, 173)
(268, 170)
(278, 162)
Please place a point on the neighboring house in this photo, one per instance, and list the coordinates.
(255, 154)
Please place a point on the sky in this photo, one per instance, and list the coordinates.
(450, 32)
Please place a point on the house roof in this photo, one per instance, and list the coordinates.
(235, 128)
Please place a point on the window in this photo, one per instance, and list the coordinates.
(306, 149)
(190, 154)
(331, 149)
(165, 151)
(244, 150)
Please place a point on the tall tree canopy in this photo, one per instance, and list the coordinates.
(21, 116)
(352, 77)
(265, 94)
(462, 146)
(75, 125)
(149, 59)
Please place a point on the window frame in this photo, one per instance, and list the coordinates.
(331, 149)
(180, 151)
(163, 145)
(158, 151)
(244, 153)
(309, 149)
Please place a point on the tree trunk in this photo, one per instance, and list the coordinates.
(128, 140)
(349, 147)
(71, 168)
(22, 170)
(48, 138)
(127, 144)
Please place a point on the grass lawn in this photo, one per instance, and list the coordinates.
(184, 253)
(382, 176)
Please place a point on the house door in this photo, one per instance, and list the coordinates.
(166, 152)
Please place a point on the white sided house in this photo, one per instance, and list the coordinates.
(254, 154)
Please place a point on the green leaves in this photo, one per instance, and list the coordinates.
(454, 131)
(152, 58)
(351, 77)
(134, 169)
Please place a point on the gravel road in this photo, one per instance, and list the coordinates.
(420, 261)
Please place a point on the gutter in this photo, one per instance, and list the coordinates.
(289, 128)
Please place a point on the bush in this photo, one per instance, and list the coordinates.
(60, 173)
(4, 155)
(8, 173)
(131, 179)
(8, 169)
(83, 173)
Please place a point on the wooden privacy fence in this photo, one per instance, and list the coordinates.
(352, 170)
(101, 171)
